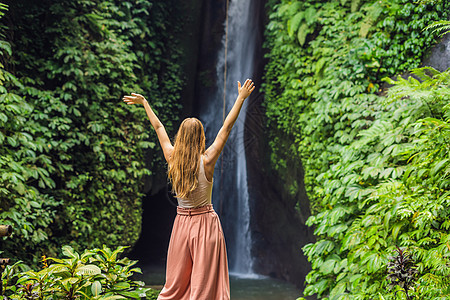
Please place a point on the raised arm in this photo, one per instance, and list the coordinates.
(213, 152)
(163, 138)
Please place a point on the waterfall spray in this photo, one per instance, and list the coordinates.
(230, 189)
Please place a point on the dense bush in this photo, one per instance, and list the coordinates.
(376, 169)
(399, 197)
(95, 274)
(73, 156)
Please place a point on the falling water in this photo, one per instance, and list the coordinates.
(230, 194)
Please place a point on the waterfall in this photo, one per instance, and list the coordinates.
(230, 193)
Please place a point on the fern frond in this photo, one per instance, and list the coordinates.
(425, 73)
(3, 7)
(440, 27)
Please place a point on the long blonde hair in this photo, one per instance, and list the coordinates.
(184, 164)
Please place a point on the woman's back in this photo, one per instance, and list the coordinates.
(201, 196)
(197, 266)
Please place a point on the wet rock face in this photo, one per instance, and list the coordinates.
(439, 56)
(277, 225)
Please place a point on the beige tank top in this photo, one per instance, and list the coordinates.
(202, 194)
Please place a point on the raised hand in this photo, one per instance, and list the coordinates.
(134, 99)
(246, 89)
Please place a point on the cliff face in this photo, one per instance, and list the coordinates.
(277, 217)
(439, 56)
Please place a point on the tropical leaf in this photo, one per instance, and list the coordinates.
(69, 252)
(302, 33)
(87, 270)
(96, 288)
(294, 23)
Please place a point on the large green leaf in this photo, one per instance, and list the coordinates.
(438, 166)
(69, 252)
(96, 288)
(294, 23)
(87, 270)
(302, 33)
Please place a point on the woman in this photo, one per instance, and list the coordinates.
(197, 267)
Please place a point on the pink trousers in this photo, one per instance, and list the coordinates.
(197, 267)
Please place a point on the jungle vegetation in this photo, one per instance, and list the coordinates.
(349, 102)
(73, 157)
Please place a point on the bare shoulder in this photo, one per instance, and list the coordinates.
(207, 159)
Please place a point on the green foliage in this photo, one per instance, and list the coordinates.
(302, 23)
(74, 157)
(376, 169)
(441, 27)
(95, 274)
(24, 165)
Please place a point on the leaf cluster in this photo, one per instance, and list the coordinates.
(95, 274)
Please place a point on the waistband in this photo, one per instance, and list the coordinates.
(195, 211)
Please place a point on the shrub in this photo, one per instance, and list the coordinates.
(95, 274)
